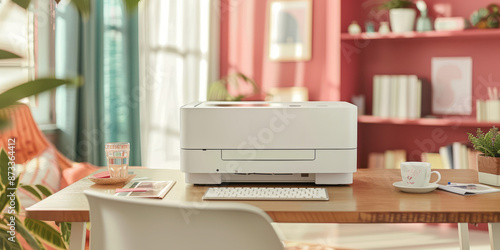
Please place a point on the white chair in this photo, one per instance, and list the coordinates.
(139, 223)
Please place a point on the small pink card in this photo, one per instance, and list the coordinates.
(104, 174)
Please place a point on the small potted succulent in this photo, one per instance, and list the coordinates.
(488, 163)
(402, 15)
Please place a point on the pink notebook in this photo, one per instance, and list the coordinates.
(104, 174)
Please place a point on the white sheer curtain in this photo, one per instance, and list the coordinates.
(178, 49)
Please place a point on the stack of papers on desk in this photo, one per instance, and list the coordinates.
(468, 189)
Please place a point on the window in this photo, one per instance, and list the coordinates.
(178, 51)
(29, 34)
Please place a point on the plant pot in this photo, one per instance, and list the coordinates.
(402, 19)
(488, 170)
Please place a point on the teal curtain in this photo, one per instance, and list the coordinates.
(106, 107)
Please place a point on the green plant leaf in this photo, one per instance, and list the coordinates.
(65, 231)
(131, 5)
(32, 191)
(3, 200)
(45, 232)
(393, 4)
(4, 123)
(30, 88)
(18, 204)
(237, 98)
(488, 144)
(7, 244)
(217, 91)
(45, 191)
(8, 55)
(23, 3)
(4, 168)
(16, 183)
(28, 237)
(16, 198)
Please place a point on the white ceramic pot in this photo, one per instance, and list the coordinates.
(402, 19)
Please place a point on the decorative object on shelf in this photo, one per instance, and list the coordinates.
(451, 85)
(423, 22)
(359, 101)
(290, 26)
(290, 94)
(219, 90)
(401, 15)
(451, 23)
(489, 110)
(478, 18)
(369, 27)
(489, 161)
(486, 18)
(384, 28)
(354, 28)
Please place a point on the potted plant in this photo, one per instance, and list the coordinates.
(401, 14)
(488, 163)
(219, 90)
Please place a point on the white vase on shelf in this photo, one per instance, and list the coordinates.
(384, 28)
(354, 28)
(402, 19)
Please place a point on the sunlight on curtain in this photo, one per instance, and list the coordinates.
(177, 63)
(115, 93)
(103, 49)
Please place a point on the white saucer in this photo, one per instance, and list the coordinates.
(416, 190)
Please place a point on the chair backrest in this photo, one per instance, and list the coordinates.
(139, 223)
(30, 141)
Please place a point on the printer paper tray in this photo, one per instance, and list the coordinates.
(268, 155)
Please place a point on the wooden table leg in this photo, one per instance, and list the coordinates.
(77, 238)
(463, 236)
(494, 230)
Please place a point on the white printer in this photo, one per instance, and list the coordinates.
(268, 142)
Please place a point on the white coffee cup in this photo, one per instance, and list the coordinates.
(417, 174)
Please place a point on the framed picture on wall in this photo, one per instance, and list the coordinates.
(452, 85)
(289, 30)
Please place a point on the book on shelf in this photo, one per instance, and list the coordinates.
(488, 110)
(414, 98)
(480, 110)
(399, 156)
(403, 94)
(376, 95)
(376, 161)
(446, 156)
(147, 189)
(385, 96)
(458, 155)
(400, 96)
(389, 159)
(493, 110)
(394, 95)
(434, 159)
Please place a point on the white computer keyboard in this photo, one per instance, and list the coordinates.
(262, 193)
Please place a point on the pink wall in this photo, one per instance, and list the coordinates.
(244, 46)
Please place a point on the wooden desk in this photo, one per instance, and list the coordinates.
(370, 199)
